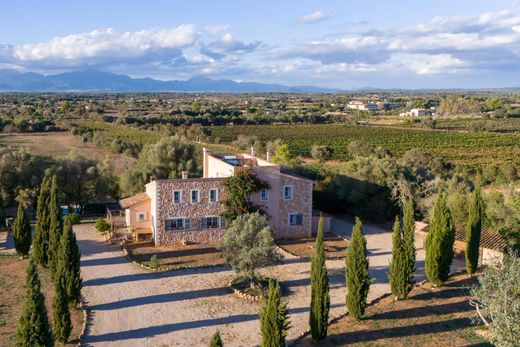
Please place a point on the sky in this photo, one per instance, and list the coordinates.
(341, 44)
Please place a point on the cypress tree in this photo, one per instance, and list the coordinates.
(41, 231)
(216, 341)
(60, 310)
(356, 272)
(69, 263)
(397, 270)
(473, 231)
(55, 229)
(274, 321)
(409, 243)
(33, 326)
(2, 211)
(320, 301)
(439, 243)
(22, 232)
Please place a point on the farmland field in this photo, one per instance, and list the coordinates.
(60, 144)
(468, 148)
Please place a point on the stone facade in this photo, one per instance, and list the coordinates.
(166, 209)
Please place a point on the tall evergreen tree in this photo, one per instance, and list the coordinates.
(409, 242)
(69, 262)
(55, 228)
(439, 243)
(41, 231)
(356, 272)
(22, 232)
(216, 341)
(2, 211)
(33, 326)
(397, 269)
(320, 301)
(62, 325)
(274, 321)
(473, 231)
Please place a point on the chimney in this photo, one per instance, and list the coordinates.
(205, 153)
(268, 156)
(184, 175)
(252, 151)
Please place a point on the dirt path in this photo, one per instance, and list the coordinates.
(132, 307)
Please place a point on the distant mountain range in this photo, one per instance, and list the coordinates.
(98, 81)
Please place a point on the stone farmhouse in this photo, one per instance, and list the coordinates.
(190, 209)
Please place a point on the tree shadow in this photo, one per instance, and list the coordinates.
(364, 336)
(422, 311)
(152, 275)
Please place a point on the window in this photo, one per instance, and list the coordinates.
(177, 196)
(287, 192)
(178, 224)
(213, 195)
(212, 222)
(295, 219)
(141, 216)
(264, 194)
(195, 196)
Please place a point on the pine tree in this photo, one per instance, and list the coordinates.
(60, 310)
(439, 243)
(397, 270)
(33, 326)
(69, 262)
(274, 321)
(55, 229)
(216, 341)
(22, 232)
(320, 301)
(41, 231)
(409, 243)
(356, 272)
(473, 231)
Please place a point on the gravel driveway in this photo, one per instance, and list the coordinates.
(130, 306)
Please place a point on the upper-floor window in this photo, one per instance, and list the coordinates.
(195, 196)
(178, 224)
(287, 192)
(264, 194)
(177, 196)
(295, 219)
(141, 216)
(213, 195)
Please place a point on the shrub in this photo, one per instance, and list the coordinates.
(499, 294)
(154, 262)
(102, 226)
(74, 218)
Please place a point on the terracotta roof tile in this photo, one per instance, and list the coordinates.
(137, 198)
(488, 239)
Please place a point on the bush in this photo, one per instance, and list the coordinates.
(73, 218)
(102, 226)
(499, 295)
(154, 262)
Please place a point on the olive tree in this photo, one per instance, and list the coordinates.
(248, 244)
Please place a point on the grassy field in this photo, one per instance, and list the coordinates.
(441, 317)
(60, 144)
(469, 148)
(12, 280)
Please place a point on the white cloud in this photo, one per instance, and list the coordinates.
(216, 29)
(314, 17)
(107, 45)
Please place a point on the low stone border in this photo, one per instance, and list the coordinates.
(309, 258)
(243, 295)
(149, 268)
(86, 318)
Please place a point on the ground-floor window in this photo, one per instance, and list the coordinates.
(178, 224)
(213, 222)
(295, 219)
